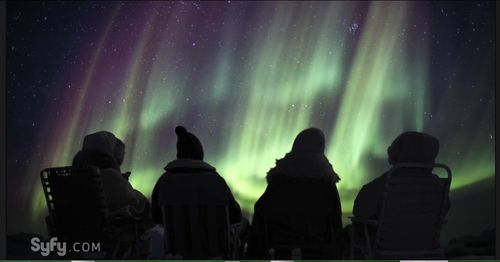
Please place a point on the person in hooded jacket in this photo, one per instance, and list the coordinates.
(190, 161)
(106, 152)
(408, 147)
(300, 194)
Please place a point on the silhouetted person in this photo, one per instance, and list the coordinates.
(300, 187)
(409, 147)
(190, 161)
(106, 152)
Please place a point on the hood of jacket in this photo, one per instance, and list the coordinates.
(189, 165)
(413, 147)
(310, 165)
(105, 143)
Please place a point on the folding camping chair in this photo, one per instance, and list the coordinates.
(196, 220)
(411, 216)
(78, 212)
(301, 226)
(308, 247)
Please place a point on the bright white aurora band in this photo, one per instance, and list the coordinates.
(247, 99)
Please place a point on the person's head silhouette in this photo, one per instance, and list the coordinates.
(306, 159)
(188, 145)
(103, 142)
(413, 147)
(310, 140)
(101, 149)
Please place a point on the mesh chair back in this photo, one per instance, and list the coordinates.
(77, 204)
(195, 215)
(300, 216)
(311, 237)
(412, 210)
(196, 231)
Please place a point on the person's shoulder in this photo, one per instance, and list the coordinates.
(262, 202)
(376, 182)
(111, 172)
(188, 164)
(112, 176)
(162, 177)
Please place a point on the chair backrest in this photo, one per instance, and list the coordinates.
(196, 232)
(195, 213)
(413, 211)
(77, 204)
(308, 238)
(300, 217)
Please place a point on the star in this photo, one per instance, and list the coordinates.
(353, 28)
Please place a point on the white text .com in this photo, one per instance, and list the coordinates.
(61, 248)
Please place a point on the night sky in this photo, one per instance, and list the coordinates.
(246, 77)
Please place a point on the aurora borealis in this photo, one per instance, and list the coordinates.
(246, 77)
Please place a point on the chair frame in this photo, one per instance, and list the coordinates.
(45, 176)
(373, 251)
(231, 231)
(295, 249)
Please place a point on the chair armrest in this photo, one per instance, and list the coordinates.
(49, 222)
(235, 225)
(364, 220)
(126, 213)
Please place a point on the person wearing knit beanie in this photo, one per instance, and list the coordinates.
(188, 145)
(189, 173)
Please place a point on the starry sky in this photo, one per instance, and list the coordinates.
(246, 77)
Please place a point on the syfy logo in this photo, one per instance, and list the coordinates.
(61, 248)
